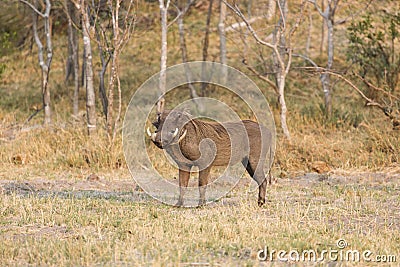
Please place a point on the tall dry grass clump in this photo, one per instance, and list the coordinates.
(66, 146)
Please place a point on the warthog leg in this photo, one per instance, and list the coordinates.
(261, 192)
(203, 181)
(259, 177)
(183, 183)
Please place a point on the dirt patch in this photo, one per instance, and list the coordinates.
(101, 188)
(34, 230)
(349, 177)
(128, 190)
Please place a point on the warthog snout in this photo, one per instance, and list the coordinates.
(162, 140)
(169, 131)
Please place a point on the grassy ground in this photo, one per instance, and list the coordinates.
(71, 221)
(52, 212)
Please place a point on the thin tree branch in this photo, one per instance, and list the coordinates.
(48, 9)
(32, 115)
(322, 13)
(37, 40)
(298, 21)
(262, 77)
(127, 30)
(307, 59)
(274, 47)
(33, 8)
(376, 88)
(181, 13)
(370, 102)
(237, 11)
(282, 16)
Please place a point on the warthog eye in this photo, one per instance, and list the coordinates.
(175, 132)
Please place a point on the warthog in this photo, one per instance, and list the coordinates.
(195, 142)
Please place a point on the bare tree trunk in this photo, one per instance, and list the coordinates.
(114, 76)
(164, 51)
(205, 45)
(49, 48)
(76, 80)
(114, 70)
(90, 95)
(309, 31)
(46, 96)
(73, 55)
(105, 58)
(102, 88)
(322, 44)
(271, 9)
(83, 68)
(222, 39)
(281, 79)
(279, 60)
(110, 109)
(325, 79)
(328, 18)
(44, 65)
(70, 60)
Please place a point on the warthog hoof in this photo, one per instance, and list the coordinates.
(179, 203)
(202, 202)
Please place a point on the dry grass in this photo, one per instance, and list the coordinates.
(301, 213)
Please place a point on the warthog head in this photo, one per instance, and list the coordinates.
(170, 128)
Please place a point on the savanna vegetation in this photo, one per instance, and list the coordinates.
(329, 69)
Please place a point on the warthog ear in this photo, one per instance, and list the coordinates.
(157, 122)
(186, 111)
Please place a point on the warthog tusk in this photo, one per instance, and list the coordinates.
(175, 133)
(151, 135)
(182, 136)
